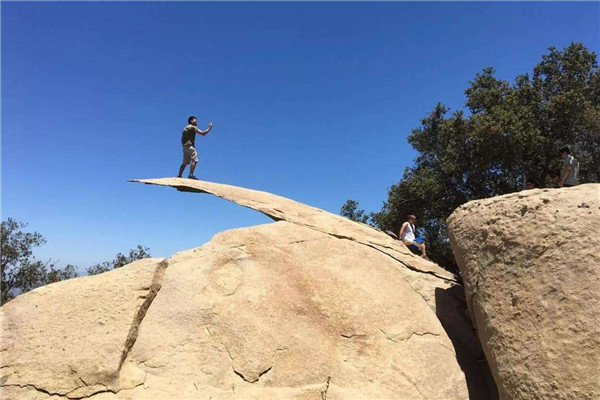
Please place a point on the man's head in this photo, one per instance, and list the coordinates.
(412, 219)
(565, 151)
(531, 184)
(193, 121)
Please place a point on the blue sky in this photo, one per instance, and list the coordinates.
(309, 100)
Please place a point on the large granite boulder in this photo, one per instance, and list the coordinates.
(71, 338)
(311, 306)
(531, 267)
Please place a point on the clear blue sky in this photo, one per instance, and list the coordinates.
(309, 100)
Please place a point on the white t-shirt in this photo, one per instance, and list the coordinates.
(573, 177)
(409, 233)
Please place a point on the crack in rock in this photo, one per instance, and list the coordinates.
(241, 375)
(409, 336)
(240, 247)
(102, 389)
(78, 377)
(417, 292)
(324, 391)
(376, 247)
(448, 348)
(403, 263)
(387, 336)
(353, 335)
(412, 383)
(257, 378)
(135, 324)
(422, 334)
(133, 387)
(29, 385)
(66, 396)
(228, 352)
(144, 363)
(300, 241)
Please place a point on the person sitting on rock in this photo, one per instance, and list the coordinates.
(407, 235)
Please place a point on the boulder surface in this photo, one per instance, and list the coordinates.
(531, 268)
(312, 306)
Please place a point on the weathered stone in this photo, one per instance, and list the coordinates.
(70, 338)
(531, 266)
(285, 306)
(311, 306)
(280, 208)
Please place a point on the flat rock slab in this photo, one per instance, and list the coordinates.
(281, 208)
(531, 266)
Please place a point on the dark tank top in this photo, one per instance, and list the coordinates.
(189, 135)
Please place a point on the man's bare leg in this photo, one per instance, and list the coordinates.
(181, 169)
(424, 251)
(192, 168)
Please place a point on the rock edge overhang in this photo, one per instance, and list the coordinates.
(283, 209)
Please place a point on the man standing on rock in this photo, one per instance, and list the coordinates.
(188, 140)
(407, 235)
(570, 171)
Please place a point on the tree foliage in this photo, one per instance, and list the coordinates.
(350, 210)
(21, 272)
(120, 260)
(509, 133)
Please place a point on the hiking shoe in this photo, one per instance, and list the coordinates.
(179, 176)
(192, 177)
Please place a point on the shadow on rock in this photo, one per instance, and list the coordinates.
(452, 313)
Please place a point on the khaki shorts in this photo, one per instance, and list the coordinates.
(189, 154)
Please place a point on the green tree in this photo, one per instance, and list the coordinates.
(350, 211)
(120, 260)
(510, 132)
(21, 272)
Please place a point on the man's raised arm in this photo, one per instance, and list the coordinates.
(201, 132)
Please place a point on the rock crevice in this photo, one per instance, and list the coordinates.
(152, 291)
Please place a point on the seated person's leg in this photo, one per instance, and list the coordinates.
(423, 249)
(413, 246)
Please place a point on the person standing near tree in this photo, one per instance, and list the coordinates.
(188, 140)
(408, 237)
(570, 171)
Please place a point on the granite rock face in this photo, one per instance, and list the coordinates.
(312, 306)
(531, 268)
(71, 338)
